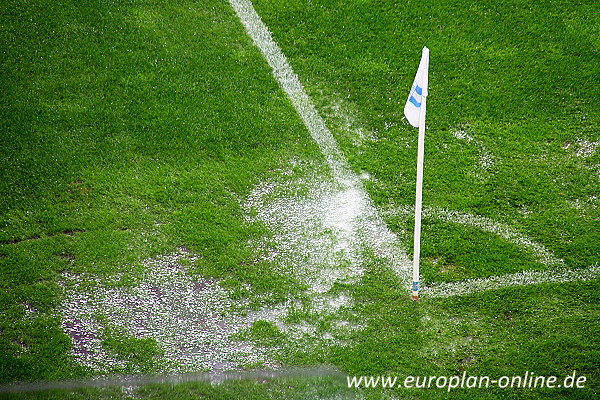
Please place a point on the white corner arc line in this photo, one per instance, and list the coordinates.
(341, 171)
(522, 278)
(542, 254)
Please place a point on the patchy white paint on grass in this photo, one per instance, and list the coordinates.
(485, 158)
(336, 220)
(461, 134)
(585, 205)
(586, 148)
(324, 228)
(347, 193)
(190, 319)
(342, 119)
(322, 231)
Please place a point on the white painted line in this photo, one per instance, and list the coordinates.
(558, 274)
(372, 222)
(543, 255)
(523, 278)
(285, 76)
(363, 216)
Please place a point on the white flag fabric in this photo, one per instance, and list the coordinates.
(412, 109)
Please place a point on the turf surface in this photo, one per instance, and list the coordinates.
(130, 129)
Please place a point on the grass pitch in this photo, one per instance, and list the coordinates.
(133, 129)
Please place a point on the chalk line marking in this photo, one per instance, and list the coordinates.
(285, 76)
(342, 173)
(522, 278)
(543, 255)
(362, 215)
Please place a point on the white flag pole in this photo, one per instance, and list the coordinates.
(415, 113)
(418, 201)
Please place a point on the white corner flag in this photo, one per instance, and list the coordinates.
(414, 110)
(414, 104)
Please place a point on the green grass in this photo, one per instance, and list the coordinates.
(517, 77)
(128, 129)
(520, 80)
(131, 128)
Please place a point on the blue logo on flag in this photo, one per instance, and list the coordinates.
(412, 99)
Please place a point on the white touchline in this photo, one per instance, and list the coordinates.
(365, 216)
(283, 73)
(290, 83)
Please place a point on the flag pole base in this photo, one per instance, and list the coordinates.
(415, 291)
